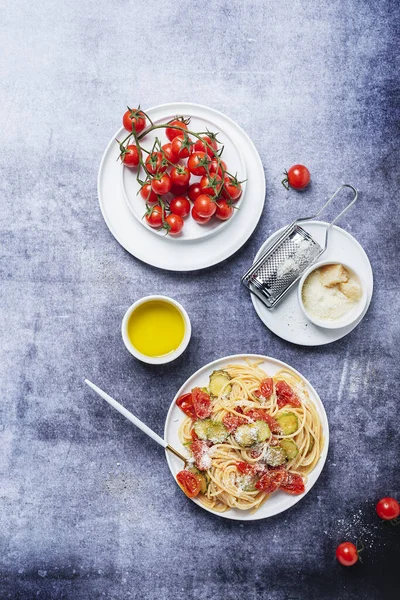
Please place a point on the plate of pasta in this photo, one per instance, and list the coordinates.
(255, 435)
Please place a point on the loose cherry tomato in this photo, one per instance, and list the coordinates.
(285, 395)
(293, 484)
(134, 120)
(161, 184)
(130, 156)
(217, 167)
(224, 210)
(182, 145)
(180, 206)
(194, 191)
(155, 217)
(298, 177)
(169, 154)
(211, 184)
(198, 218)
(200, 451)
(232, 188)
(201, 402)
(204, 206)
(203, 147)
(347, 554)
(388, 508)
(189, 483)
(185, 403)
(198, 162)
(147, 193)
(174, 224)
(172, 132)
(156, 163)
(180, 176)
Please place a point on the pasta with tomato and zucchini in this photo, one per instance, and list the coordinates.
(248, 435)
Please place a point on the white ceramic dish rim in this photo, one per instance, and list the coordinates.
(355, 312)
(235, 514)
(166, 358)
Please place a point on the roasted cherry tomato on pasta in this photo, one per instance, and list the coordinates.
(180, 206)
(285, 395)
(134, 120)
(201, 402)
(201, 454)
(172, 131)
(185, 403)
(189, 483)
(347, 554)
(293, 484)
(298, 177)
(388, 508)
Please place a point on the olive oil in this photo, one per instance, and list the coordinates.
(156, 328)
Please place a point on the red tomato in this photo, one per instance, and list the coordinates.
(161, 184)
(134, 119)
(232, 188)
(388, 508)
(185, 403)
(130, 156)
(298, 177)
(224, 210)
(258, 414)
(201, 403)
(194, 434)
(211, 185)
(174, 224)
(271, 480)
(198, 218)
(204, 146)
(172, 132)
(155, 217)
(156, 163)
(189, 483)
(293, 484)
(266, 387)
(180, 206)
(182, 145)
(247, 469)
(285, 395)
(198, 162)
(180, 176)
(194, 191)
(217, 167)
(147, 193)
(347, 554)
(204, 206)
(232, 422)
(169, 154)
(179, 190)
(200, 451)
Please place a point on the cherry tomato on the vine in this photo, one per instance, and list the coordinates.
(298, 177)
(180, 176)
(169, 154)
(147, 193)
(198, 162)
(161, 184)
(174, 224)
(134, 120)
(202, 145)
(232, 188)
(194, 191)
(154, 217)
(179, 190)
(130, 156)
(204, 206)
(347, 554)
(180, 206)
(198, 218)
(217, 167)
(388, 508)
(224, 210)
(211, 184)
(156, 163)
(171, 132)
(182, 145)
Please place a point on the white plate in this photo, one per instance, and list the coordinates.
(287, 320)
(279, 501)
(181, 255)
(231, 155)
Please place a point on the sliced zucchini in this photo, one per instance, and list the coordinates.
(218, 380)
(288, 422)
(217, 433)
(275, 456)
(263, 432)
(202, 478)
(246, 435)
(246, 483)
(206, 390)
(201, 428)
(290, 447)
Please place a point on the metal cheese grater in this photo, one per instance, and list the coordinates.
(286, 259)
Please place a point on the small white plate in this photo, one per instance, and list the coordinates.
(189, 255)
(231, 155)
(279, 501)
(287, 320)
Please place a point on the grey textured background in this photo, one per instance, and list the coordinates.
(88, 508)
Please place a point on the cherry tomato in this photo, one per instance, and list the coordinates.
(293, 484)
(197, 163)
(201, 402)
(194, 191)
(179, 190)
(201, 456)
(224, 210)
(185, 403)
(211, 184)
(172, 132)
(285, 395)
(203, 147)
(267, 387)
(155, 217)
(161, 184)
(174, 223)
(347, 554)
(232, 422)
(130, 156)
(232, 188)
(168, 152)
(388, 508)
(215, 167)
(182, 146)
(198, 218)
(271, 480)
(247, 469)
(189, 483)
(147, 193)
(134, 119)
(180, 206)
(258, 414)
(180, 176)
(298, 177)
(204, 206)
(156, 163)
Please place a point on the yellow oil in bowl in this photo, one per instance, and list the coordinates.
(156, 328)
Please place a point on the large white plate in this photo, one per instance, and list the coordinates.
(231, 155)
(182, 255)
(279, 501)
(287, 319)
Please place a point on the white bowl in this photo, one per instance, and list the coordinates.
(349, 317)
(166, 358)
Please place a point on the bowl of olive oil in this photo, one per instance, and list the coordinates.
(156, 329)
